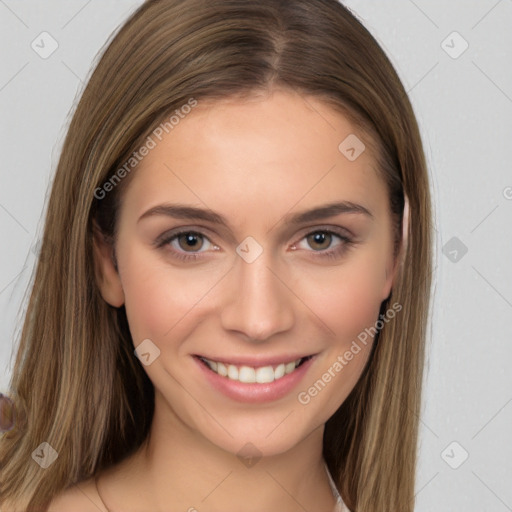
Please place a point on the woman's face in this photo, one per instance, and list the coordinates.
(266, 244)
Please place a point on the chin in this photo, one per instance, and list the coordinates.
(262, 433)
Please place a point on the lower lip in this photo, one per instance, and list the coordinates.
(255, 392)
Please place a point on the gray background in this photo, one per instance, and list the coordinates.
(463, 102)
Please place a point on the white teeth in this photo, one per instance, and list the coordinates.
(279, 371)
(232, 372)
(265, 374)
(247, 374)
(288, 368)
(221, 368)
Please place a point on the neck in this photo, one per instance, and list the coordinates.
(179, 467)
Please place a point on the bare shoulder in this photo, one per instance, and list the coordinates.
(81, 497)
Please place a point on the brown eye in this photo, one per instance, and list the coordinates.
(319, 240)
(186, 245)
(190, 241)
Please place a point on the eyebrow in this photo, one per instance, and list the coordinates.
(178, 211)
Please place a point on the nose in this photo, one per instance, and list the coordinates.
(257, 302)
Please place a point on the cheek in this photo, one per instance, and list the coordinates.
(348, 302)
(160, 301)
(347, 298)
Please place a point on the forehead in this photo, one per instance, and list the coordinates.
(278, 149)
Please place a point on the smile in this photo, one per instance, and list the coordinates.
(249, 374)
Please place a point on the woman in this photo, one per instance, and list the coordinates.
(234, 314)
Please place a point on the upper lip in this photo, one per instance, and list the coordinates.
(256, 362)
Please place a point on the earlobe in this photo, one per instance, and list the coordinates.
(390, 279)
(107, 275)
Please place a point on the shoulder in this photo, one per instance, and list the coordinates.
(81, 497)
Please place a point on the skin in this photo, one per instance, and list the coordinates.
(254, 162)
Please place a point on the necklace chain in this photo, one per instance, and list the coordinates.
(334, 490)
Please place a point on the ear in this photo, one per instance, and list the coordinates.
(397, 262)
(107, 274)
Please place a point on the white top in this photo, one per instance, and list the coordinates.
(340, 506)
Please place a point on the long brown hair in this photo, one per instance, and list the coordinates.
(76, 383)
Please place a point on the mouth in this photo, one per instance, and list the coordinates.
(253, 374)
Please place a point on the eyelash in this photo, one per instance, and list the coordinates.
(328, 254)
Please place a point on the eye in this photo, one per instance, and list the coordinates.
(189, 244)
(186, 244)
(324, 242)
(189, 241)
(320, 239)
